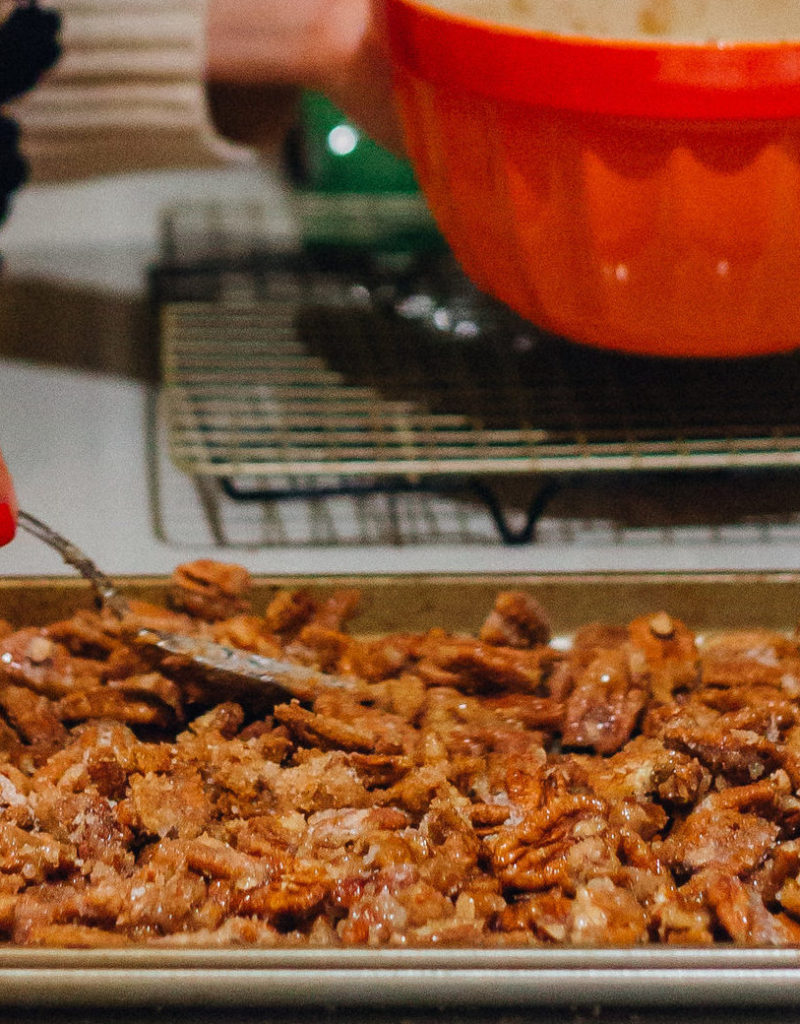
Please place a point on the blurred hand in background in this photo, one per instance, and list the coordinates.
(333, 46)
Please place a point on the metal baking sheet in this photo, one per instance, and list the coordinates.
(493, 980)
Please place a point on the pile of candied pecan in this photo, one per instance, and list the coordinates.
(483, 790)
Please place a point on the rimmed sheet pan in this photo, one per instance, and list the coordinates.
(490, 979)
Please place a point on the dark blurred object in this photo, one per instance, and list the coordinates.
(29, 46)
(253, 115)
(12, 166)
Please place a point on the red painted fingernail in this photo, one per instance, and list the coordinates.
(8, 526)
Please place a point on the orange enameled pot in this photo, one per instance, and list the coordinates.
(621, 174)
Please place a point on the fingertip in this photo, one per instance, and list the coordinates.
(8, 524)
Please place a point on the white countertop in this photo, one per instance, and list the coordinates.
(78, 443)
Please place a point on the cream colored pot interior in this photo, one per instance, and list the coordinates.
(671, 20)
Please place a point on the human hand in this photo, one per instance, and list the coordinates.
(8, 505)
(334, 46)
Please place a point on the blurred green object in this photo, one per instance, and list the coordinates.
(350, 194)
(332, 155)
(382, 225)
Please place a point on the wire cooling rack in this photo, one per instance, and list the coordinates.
(345, 366)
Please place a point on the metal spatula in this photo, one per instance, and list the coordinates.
(214, 661)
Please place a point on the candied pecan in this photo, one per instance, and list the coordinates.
(15, 805)
(451, 864)
(94, 749)
(248, 633)
(638, 817)
(751, 657)
(445, 931)
(389, 903)
(681, 921)
(319, 646)
(545, 914)
(604, 706)
(73, 936)
(474, 667)
(766, 797)
(31, 659)
(472, 777)
(780, 867)
(334, 611)
(268, 837)
(384, 658)
(8, 907)
(416, 789)
(211, 590)
(336, 827)
(11, 746)
(215, 859)
(728, 840)
(272, 745)
(377, 771)
(452, 844)
(534, 854)
(289, 610)
(526, 710)
(588, 640)
(162, 902)
(516, 620)
(320, 781)
(481, 897)
(391, 733)
(323, 731)
(789, 896)
(388, 849)
(296, 894)
(645, 767)
(423, 904)
(41, 904)
(115, 705)
(670, 654)
(741, 912)
(467, 741)
(232, 932)
(456, 726)
(533, 784)
(678, 717)
(603, 913)
(224, 719)
(560, 681)
(88, 821)
(151, 686)
(487, 817)
(174, 805)
(35, 718)
(107, 775)
(35, 855)
(141, 614)
(755, 706)
(96, 902)
(85, 633)
(662, 638)
(739, 754)
(595, 853)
